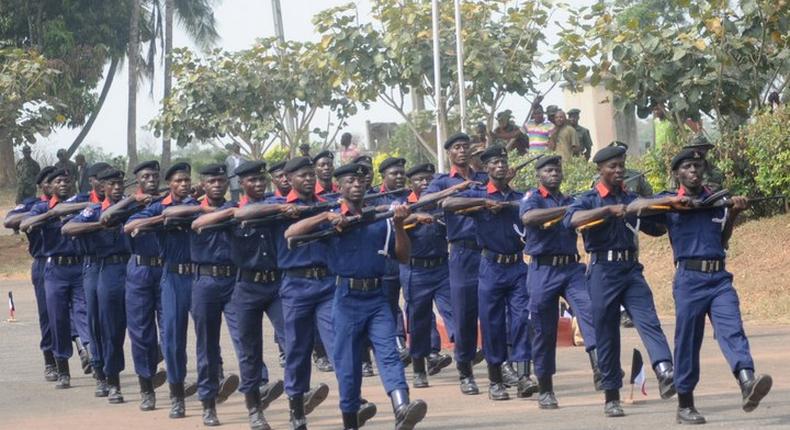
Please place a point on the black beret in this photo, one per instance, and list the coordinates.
(699, 142)
(214, 169)
(574, 111)
(363, 159)
(493, 151)
(43, 174)
(686, 154)
(421, 168)
(551, 159)
(57, 172)
(110, 173)
(455, 138)
(277, 166)
(608, 153)
(96, 168)
(391, 162)
(358, 169)
(618, 143)
(297, 163)
(152, 164)
(249, 168)
(178, 167)
(324, 154)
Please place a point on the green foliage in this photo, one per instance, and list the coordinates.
(577, 174)
(768, 150)
(276, 154)
(198, 155)
(94, 154)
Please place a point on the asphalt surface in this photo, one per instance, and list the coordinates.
(29, 402)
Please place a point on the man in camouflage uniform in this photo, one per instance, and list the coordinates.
(26, 171)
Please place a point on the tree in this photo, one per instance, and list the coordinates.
(133, 59)
(28, 104)
(242, 96)
(392, 56)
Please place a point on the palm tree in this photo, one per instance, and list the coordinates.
(132, 57)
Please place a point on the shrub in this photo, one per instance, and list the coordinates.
(768, 150)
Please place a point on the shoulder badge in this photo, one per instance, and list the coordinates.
(87, 212)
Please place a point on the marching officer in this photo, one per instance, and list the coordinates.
(702, 285)
(279, 179)
(324, 167)
(463, 262)
(306, 290)
(502, 292)
(358, 258)
(176, 284)
(426, 280)
(143, 276)
(65, 297)
(554, 271)
(36, 250)
(615, 276)
(110, 247)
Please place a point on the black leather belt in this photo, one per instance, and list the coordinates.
(707, 266)
(361, 284)
(502, 258)
(115, 259)
(468, 244)
(264, 277)
(427, 263)
(555, 260)
(312, 272)
(65, 260)
(143, 260)
(216, 270)
(614, 255)
(181, 269)
(90, 259)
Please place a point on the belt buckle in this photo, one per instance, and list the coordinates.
(214, 271)
(257, 277)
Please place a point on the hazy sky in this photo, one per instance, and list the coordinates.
(240, 22)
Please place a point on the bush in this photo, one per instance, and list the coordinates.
(768, 150)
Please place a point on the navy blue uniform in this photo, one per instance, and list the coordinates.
(554, 271)
(615, 278)
(360, 255)
(212, 289)
(111, 249)
(65, 296)
(36, 249)
(257, 291)
(502, 295)
(464, 264)
(697, 235)
(306, 292)
(425, 280)
(176, 288)
(144, 302)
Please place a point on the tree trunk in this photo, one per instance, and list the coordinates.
(102, 97)
(169, 5)
(7, 164)
(133, 54)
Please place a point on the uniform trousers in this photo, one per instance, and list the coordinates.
(65, 299)
(111, 296)
(143, 309)
(211, 298)
(464, 265)
(176, 294)
(422, 288)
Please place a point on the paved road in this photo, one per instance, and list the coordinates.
(28, 402)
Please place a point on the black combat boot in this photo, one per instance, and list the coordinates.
(509, 374)
(407, 414)
(64, 376)
(420, 376)
(147, 395)
(102, 389)
(526, 385)
(227, 386)
(496, 388)
(298, 419)
(177, 407)
(85, 357)
(437, 362)
(254, 410)
(367, 411)
(687, 413)
(467, 377)
(597, 376)
(546, 398)
(271, 392)
(114, 396)
(403, 351)
(753, 388)
(350, 421)
(50, 367)
(210, 413)
(159, 378)
(612, 408)
(666, 379)
(315, 397)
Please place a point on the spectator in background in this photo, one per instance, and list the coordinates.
(349, 149)
(585, 141)
(64, 163)
(508, 134)
(481, 134)
(663, 127)
(538, 130)
(551, 110)
(83, 185)
(304, 150)
(26, 172)
(232, 161)
(564, 140)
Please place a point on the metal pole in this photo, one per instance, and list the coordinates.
(459, 44)
(279, 32)
(437, 84)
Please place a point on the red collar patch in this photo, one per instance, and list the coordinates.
(383, 188)
(243, 201)
(682, 191)
(544, 192)
(319, 189)
(105, 204)
(603, 191)
(167, 201)
(54, 200)
(93, 197)
(413, 197)
(492, 189)
(44, 198)
(345, 210)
